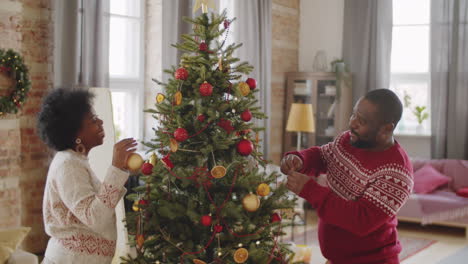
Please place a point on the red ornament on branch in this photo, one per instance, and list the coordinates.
(167, 162)
(246, 115)
(245, 147)
(206, 89)
(252, 83)
(206, 220)
(201, 118)
(181, 74)
(226, 24)
(147, 168)
(218, 228)
(275, 218)
(181, 134)
(203, 47)
(226, 125)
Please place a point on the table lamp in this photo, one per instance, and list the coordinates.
(301, 119)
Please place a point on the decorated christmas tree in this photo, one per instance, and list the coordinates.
(206, 198)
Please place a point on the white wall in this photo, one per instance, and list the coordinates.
(321, 28)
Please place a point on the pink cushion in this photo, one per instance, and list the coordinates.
(427, 179)
(463, 192)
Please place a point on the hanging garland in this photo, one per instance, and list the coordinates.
(11, 64)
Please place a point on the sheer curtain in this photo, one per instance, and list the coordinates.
(367, 42)
(81, 45)
(252, 28)
(449, 78)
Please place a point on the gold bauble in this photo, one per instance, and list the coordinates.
(263, 189)
(135, 206)
(153, 159)
(134, 162)
(218, 172)
(251, 202)
(241, 255)
(244, 88)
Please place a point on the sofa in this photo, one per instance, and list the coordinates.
(443, 202)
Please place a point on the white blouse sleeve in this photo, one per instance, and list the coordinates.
(94, 209)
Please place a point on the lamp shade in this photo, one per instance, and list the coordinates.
(301, 118)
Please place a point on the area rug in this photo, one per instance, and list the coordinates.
(410, 245)
(459, 257)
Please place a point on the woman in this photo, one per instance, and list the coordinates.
(78, 209)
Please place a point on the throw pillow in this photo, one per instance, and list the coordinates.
(463, 192)
(427, 179)
(10, 239)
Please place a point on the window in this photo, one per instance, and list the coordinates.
(410, 77)
(126, 66)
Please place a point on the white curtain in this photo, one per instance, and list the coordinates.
(81, 43)
(252, 28)
(367, 42)
(449, 78)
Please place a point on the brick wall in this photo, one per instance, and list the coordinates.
(25, 26)
(285, 49)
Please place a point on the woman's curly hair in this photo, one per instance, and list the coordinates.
(61, 115)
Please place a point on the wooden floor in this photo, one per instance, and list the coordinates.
(449, 240)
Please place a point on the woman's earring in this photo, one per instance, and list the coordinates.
(80, 148)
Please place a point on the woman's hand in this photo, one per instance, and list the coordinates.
(122, 150)
(290, 163)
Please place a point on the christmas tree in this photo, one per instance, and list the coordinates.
(205, 200)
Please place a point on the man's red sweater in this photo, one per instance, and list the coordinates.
(357, 222)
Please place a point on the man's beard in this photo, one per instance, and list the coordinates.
(363, 144)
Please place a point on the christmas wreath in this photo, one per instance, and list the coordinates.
(11, 64)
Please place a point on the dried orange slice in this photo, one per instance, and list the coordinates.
(178, 98)
(135, 206)
(160, 97)
(241, 255)
(263, 189)
(197, 261)
(174, 145)
(218, 172)
(140, 240)
(153, 159)
(244, 88)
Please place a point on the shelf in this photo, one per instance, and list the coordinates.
(327, 95)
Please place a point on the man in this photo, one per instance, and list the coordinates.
(369, 178)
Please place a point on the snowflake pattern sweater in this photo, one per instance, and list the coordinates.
(357, 211)
(79, 210)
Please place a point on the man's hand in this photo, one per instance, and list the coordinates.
(296, 181)
(290, 163)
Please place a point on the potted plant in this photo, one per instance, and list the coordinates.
(421, 114)
(341, 71)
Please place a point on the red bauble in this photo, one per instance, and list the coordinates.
(206, 220)
(181, 134)
(245, 147)
(252, 83)
(226, 23)
(275, 218)
(203, 46)
(246, 115)
(218, 228)
(167, 162)
(206, 89)
(201, 118)
(143, 202)
(226, 125)
(181, 74)
(147, 168)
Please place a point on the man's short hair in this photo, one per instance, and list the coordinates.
(389, 105)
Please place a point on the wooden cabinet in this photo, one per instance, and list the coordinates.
(332, 107)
